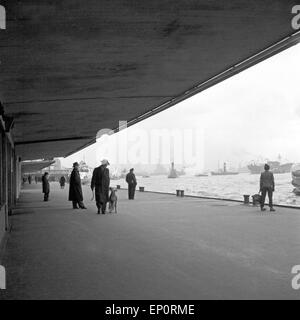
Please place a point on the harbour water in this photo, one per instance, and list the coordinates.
(226, 187)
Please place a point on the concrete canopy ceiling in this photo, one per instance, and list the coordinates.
(34, 166)
(70, 68)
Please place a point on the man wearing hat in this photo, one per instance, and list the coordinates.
(131, 180)
(100, 182)
(75, 191)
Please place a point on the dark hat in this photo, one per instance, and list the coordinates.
(75, 164)
(131, 169)
(267, 167)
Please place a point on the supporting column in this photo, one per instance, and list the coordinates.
(2, 183)
(8, 181)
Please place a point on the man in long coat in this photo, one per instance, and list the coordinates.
(131, 180)
(46, 186)
(75, 191)
(100, 182)
(267, 186)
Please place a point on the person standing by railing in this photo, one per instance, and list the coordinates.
(267, 186)
(131, 180)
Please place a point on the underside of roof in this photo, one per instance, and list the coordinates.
(70, 68)
(34, 166)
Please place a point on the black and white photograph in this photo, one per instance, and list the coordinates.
(149, 153)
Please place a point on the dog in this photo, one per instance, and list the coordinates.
(113, 200)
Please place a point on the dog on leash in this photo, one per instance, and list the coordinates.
(113, 200)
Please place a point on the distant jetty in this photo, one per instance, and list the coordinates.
(173, 174)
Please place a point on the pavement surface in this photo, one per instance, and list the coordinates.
(156, 247)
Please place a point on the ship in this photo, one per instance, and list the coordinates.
(295, 171)
(223, 172)
(275, 167)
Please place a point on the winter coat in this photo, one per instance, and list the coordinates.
(75, 191)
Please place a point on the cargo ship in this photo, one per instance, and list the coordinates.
(275, 167)
(295, 170)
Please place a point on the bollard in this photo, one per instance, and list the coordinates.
(142, 189)
(177, 193)
(181, 193)
(246, 198)
(118, 186)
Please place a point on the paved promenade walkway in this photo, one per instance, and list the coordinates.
(157, 247)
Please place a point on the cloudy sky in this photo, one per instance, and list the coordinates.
(254, 115)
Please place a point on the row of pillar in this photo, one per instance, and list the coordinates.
(10, 178)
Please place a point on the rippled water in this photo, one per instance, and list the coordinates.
(228, 187)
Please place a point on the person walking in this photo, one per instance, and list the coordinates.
(46, 186)
(131, 180)
(62, 182)
(29, 179)
(75, 191)
(100, 182)
(267, 186)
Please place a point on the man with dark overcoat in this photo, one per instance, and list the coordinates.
(131, 180)
(267, 186)
(100, 182)
(46, 186)
(75, 191)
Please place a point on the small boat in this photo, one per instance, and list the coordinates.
(224, 172)
(201, 175)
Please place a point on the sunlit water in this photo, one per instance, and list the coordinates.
(227, 187)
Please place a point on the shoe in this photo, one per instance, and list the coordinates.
(263, 209)
(98, 212)
(83, 207)
(272, 209)
(75, 208)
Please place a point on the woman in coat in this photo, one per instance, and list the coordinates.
(75, 191)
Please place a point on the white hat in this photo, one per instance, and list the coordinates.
(104, 161)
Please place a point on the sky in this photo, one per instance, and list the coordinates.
(252, 116)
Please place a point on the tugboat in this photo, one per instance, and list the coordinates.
(224, 172)
(173, 174)
(296, 178)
